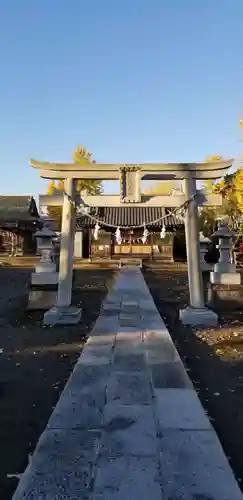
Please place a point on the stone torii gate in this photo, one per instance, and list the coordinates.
(130, 176)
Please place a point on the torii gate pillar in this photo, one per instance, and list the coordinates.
(64, 313)
(196, 313)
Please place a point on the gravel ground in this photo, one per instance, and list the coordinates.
(35, 363)
(213, 358)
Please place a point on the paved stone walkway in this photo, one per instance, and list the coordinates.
(129, 424)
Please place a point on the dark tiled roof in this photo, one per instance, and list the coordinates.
(18, 208)
(130, 216)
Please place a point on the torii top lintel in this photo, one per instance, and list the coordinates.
(109, 171)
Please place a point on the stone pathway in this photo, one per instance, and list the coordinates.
(129, 424)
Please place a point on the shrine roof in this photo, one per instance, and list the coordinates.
(18, 208)
(130, 216)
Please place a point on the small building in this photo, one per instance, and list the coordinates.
(128, 218)
(19, 220)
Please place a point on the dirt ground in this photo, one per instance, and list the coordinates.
(213, 358)
(35, 363)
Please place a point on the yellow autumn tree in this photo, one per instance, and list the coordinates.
(93, 186)
(211, 158)
(231, 189)
(238, 182)
(163, 188)
(54, 212)
(209, 215)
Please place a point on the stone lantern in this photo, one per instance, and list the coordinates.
(204, 244)
(45, 271)
(44, 281)
(225, 270)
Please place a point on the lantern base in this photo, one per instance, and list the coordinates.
(62, 316)
(198, 316)
(217, 278)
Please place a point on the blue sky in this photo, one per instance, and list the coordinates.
(132, 80)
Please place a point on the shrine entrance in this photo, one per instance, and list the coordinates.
(133, 246)
(130, 195)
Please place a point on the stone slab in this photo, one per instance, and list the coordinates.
(62, 316)
(128, 430)
(76, 412)
(129, 304)
(127, 478)
(106, 325)
(129, 319)
(129, 361)
(65, 450)
(82, 401)
(96, 355)
(44, 278)
(219, 278)
(45, 267)
(160, 348)
(86, 378)
(169, 375)
(180, 409)
(194, 466)
(111, 312)
(201, 317)
(101, 340)
(74, 485)
(129, 388)
(129, 341)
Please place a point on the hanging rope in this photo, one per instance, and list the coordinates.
(150, 223)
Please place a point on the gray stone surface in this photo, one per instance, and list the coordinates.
(193, 466)
(129, 430)
(81, 403)
(129, 341)
(127, 478)
(46, 278)
(129, 388)
(201, 317)
(227, 278)
(170, 375)
(75, 411)
(74, 485)
(96, 355)
(129, 424)
(62, 316)
(129, 362)
(179, 409)
(65, 450)
(160, 349)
